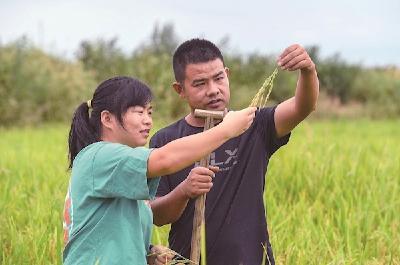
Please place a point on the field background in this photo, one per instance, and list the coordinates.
(332, 194)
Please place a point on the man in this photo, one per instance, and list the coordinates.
(235, 219)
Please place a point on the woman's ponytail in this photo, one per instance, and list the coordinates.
(81, 133)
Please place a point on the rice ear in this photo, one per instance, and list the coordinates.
(260, 99)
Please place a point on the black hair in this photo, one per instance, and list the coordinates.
(115, 95)
(193, 51)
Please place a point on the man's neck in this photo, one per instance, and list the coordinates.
(193, 121)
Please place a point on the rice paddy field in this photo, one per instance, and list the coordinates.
(332, 194)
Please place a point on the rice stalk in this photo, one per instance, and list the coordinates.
(177, 260)
(203, 244)
(261, 98)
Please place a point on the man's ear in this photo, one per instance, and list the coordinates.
(179, 89)
(227, 71)
(107, 119)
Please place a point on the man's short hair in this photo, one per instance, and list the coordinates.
(193, 51)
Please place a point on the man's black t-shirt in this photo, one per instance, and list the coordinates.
(236, 227)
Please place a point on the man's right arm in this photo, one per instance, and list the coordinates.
(168, 208)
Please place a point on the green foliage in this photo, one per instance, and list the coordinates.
(36, 87)
(104, 58)
(152, 69)
(337, 77)
(152, 62)
(380, 90)
(332, 194)
(163, 40)
(33, 178)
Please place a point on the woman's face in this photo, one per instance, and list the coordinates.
(137, 122)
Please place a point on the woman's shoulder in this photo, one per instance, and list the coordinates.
(119, 149)
(114, 152)
(107, 151)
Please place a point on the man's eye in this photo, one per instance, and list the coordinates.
(199, 84)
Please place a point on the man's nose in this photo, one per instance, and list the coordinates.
(213, 89)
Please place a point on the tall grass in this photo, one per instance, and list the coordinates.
(33, 182)
(332, 194)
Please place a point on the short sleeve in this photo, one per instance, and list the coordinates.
(121, 171)
(265, 118)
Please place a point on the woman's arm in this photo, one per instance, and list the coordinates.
(183, 152)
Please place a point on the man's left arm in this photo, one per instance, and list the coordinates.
(292, 111)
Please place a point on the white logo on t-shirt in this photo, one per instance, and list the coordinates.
(230, 160)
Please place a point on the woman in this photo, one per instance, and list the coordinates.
(106, 219)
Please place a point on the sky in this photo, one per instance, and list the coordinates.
(363, 32)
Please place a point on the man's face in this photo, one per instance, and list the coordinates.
(206, 85)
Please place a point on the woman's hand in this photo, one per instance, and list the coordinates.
(237, 122)
(160, 255)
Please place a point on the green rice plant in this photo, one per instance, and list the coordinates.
(262, 96)
(331, 194)
(203, 253)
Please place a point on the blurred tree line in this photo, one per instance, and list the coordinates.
(36, 86)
